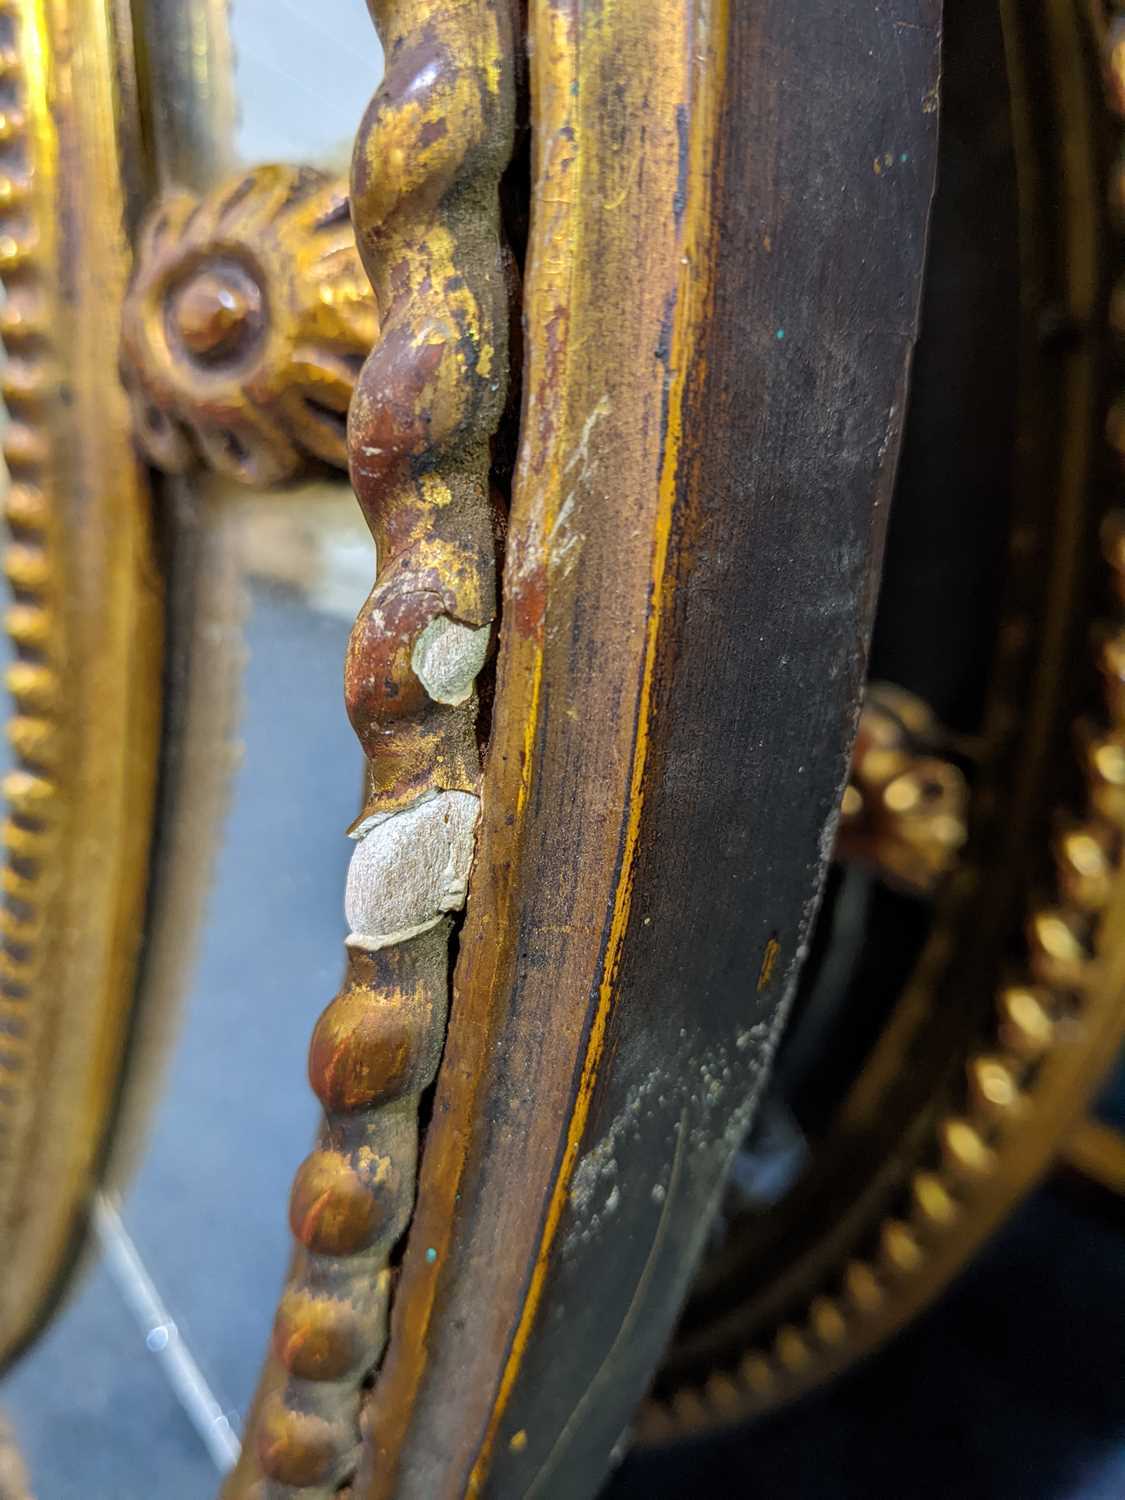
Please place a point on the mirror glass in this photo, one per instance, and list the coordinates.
(152, 1362)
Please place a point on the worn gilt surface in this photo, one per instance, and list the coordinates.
(247, 320)
(1028, 947)
(85, 627)
(425, 203)
(694, 535)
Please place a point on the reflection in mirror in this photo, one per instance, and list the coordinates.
(150, 1364)
(303, 74)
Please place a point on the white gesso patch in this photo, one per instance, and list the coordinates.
(410, 869)
(447, 657)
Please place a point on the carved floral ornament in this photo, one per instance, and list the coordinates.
(245, 325)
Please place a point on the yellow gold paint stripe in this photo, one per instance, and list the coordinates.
(531, 724)
(556, 271)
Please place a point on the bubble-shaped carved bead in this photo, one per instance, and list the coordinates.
(336, 1210)
(367, 1051)
(301, 1448)
(319, 1337)
(409, 397)
(381, 688)
(380, 1039)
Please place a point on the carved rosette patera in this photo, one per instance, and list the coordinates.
(247, 320)
(425, 203)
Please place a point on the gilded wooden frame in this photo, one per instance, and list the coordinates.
(85, 626)
(1014, 1014)
(675, 573)
(549, 1035)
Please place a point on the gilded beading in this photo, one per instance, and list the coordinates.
(33, 621)
(425, 202)
(903, 810)
(1036, 1011)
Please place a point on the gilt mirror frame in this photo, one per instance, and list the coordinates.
(613, 327)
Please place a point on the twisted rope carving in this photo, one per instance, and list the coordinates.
(428, 160)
